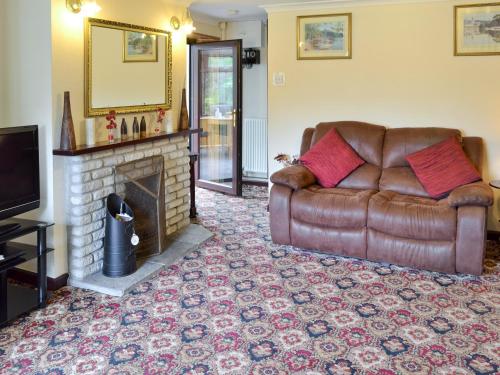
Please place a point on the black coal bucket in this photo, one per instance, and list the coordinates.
(119, 253)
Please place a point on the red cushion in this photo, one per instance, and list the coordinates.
(442, 167)
(331, 159)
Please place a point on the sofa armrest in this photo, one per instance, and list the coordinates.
(475, 194)
(295, 177)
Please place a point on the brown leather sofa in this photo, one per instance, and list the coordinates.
(381, 212)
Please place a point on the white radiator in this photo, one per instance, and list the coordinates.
(255, 147)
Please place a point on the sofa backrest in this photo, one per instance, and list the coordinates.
(385, 151)
(400, 142)
(366, 139)
(473, 147)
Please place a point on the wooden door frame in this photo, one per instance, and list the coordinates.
(197, 38)
(237, 167)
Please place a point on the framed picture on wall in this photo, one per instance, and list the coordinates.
(477, 29)
(139, 47)
(326, 36)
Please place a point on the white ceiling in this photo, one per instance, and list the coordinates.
(236, 10)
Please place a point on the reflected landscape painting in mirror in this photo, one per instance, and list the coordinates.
(139, 47)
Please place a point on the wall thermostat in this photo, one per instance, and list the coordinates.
(278, 79)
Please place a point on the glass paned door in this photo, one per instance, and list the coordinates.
(216, 109)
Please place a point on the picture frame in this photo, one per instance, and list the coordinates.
(103, 42)
(324, 36)
(477, 29)
(139, 46)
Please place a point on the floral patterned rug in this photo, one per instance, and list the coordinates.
(241, 305)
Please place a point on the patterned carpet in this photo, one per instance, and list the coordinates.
(241, 305)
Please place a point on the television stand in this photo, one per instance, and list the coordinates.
(16, 299)
(6, 228)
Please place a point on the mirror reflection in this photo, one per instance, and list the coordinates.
(128, 68)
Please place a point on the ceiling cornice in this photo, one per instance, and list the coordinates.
(330, 4)
(182, 3)
(203, 18)
(200, 16)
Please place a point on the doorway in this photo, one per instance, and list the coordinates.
(216, 92)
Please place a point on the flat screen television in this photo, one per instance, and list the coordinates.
(19, 172)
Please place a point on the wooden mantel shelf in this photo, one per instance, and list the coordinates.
(102, 146)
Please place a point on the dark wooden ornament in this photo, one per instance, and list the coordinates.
(68, 140)
(135, 129)
(144, 132)
(192, 185)
(183, 117)
(124, 130)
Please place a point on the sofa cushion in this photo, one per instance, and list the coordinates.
(333, 208)
(430, 255)
(366, 139)
(442, 167)
(473, 148)
(364, 177)
(331, 159)
(401, 180)
(338, 241)
(412, 217)
(401, 142)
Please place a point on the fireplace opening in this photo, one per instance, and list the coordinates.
(141, 184)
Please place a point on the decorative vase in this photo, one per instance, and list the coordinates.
(135, 129)
(117, 134)
(143, 131)
(90, 131)
(124, 130)
(183, 117)
(111, 135)
(169, 124)
(68, 140)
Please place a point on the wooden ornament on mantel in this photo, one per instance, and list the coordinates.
(68, 140)
(183, 117)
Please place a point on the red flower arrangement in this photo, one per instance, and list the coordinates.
(159, 120)
(111, 117)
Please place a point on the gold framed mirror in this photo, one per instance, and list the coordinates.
(128, 68)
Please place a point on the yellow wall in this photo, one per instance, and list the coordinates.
(43, 57)
(25, 91)
(67, 54)
(68, 75)
(402, 73)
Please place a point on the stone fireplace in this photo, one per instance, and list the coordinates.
(90, 177)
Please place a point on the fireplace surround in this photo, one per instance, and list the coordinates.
(89, 178)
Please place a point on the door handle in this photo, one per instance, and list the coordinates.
(234, 118)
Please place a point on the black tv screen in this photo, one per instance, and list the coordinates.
(19, 170)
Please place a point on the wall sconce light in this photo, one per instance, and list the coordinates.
(175, 23)
(186, 25)
(74, 6)
(87, 7)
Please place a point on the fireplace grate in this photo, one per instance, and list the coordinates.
(142, 184)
